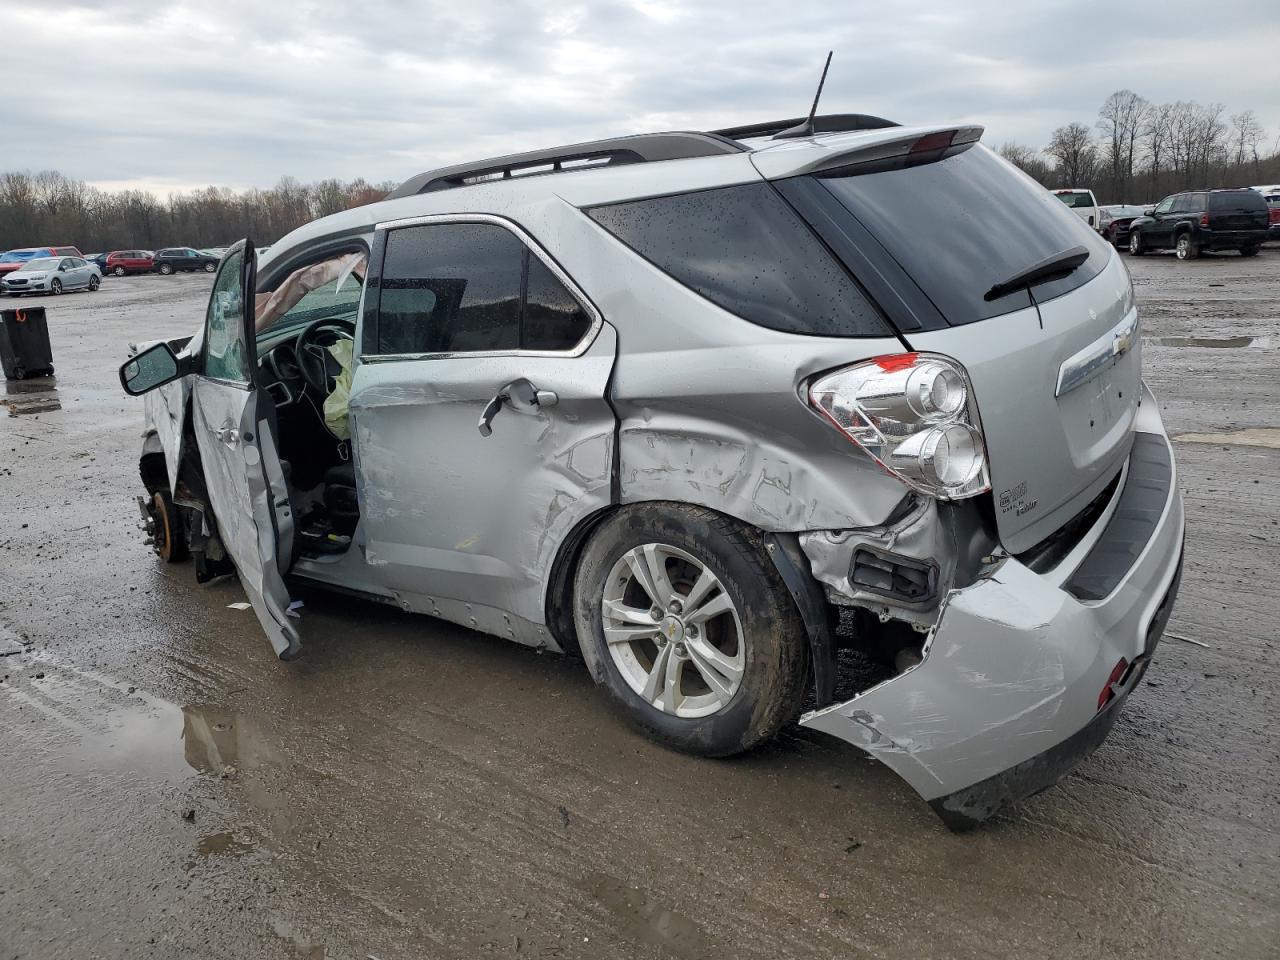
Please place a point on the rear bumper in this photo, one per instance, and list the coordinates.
(1006, 699)
(1230, 239)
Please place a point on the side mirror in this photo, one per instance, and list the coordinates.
(149, 369)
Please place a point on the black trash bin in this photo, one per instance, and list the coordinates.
(24, 344)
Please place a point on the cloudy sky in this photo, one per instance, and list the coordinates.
(174, 94)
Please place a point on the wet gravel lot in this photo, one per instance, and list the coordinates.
(410, 789)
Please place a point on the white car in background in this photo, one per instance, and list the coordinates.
(53, 275)
(1083, 202)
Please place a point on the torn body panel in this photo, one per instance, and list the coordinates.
(946, 544)
(1015, 667)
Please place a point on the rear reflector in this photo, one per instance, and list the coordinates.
(1108, 693)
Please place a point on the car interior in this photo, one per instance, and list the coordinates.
(306, 330)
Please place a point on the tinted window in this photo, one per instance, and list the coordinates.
(960, 225)
(744, 249)
(450, 287)
(1182, 204)
(1165, 205)
(553, 319)
(1237, 201)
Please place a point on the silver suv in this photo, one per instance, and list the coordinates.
(848, 427)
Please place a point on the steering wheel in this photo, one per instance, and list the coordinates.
(319, 367)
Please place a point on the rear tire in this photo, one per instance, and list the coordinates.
(739, 674)
(1136, 247)
(1251, 250)
(1186, 248)
(94, 283)
(118, 271)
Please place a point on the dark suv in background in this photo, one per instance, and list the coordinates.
(1203, 220)
(173, 259)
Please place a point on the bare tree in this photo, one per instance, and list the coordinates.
(1246, 137)
(1027, 159)
(1157, 133)
(1075, 155)
(1121, 120)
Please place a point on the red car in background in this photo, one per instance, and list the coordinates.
(16, 259)
(121, 262)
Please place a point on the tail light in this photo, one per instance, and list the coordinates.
(914, 414)
(1204, 219)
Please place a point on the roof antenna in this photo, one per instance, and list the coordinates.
(806, 129)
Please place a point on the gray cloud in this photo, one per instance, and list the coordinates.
(235, 92)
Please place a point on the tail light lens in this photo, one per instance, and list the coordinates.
(1204, 219)
(914, 414)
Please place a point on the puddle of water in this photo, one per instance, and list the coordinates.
(228, 843)
(1215, 343)
(34, 385)
(642, 919)
(117, 729)
(24, 397)
(1250, 437)
(306, 949)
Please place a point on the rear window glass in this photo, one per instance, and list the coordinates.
(745, 250)
(962, 224)
(1237, 201)
(1075, 200)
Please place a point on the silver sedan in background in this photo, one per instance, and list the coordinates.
(53, 275)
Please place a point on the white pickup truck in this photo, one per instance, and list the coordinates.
(1083, 202)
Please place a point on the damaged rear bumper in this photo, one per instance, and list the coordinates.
(1022, 676)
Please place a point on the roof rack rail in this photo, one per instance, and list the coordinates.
(641, 148)
(827, 123)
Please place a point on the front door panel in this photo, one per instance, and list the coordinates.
(453, 515)
(231, 420)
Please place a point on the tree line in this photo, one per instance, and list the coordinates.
(1138, 151)
(48, 208)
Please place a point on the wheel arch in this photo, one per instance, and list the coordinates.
(789, 561)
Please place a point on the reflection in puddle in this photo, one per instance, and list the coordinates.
(1216, 343)
(38, 395)
(115, 728)
(1250, 437)
(640, 918)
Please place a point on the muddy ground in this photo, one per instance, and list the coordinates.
(410, 789)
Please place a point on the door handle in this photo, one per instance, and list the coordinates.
(520, 395)
(228, 435)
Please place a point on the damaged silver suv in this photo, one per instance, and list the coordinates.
(711, 409)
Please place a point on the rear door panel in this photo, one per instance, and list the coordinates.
(454, 515)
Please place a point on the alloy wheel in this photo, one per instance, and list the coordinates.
(56, 287)
(1184, 247)
(673, 631)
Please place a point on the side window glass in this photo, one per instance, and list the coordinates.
(225, 354)
(450, 287)
(715, 242)
(553, 319)
(1164, 205)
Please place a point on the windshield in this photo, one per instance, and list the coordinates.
(327, 289)
(45, 263)
(21, 256)
(1074, 200)
(963, 224)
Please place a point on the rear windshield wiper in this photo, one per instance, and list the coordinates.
(1053, 267)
